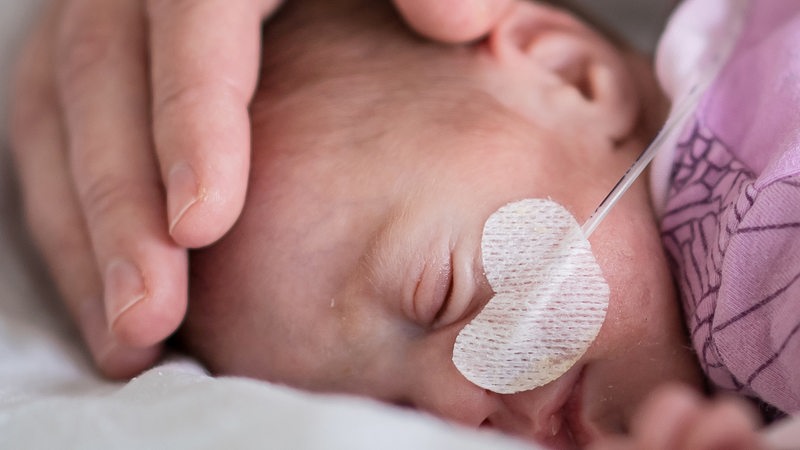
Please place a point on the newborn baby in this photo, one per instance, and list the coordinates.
(377, 159)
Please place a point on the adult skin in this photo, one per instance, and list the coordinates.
(131, 136)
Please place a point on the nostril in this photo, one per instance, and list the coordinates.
(404, 404)
(487, 423)
(585, 87)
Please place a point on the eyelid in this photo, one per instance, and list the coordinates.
(469, 292)
(433, 290)
(444, 291)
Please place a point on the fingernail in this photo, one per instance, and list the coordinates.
(124, 288)
(182, 192)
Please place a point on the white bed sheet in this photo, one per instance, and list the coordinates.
(51, 398)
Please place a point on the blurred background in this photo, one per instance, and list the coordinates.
(639, 21)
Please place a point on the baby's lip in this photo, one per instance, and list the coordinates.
(553, 415)
(553, 423)
(573, 412)
(560, 416)
(564, 421)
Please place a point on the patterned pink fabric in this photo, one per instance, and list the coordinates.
(731, 223)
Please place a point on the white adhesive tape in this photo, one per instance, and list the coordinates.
(549, 304)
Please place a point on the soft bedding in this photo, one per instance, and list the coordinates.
(51, 398)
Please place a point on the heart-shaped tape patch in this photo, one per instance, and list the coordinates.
(550, 299)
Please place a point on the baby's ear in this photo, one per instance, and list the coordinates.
(533, 37)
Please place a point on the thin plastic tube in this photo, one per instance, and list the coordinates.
(677, 119)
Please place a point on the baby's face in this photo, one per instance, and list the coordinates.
(357, 259)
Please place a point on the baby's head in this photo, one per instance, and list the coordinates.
(377, 159)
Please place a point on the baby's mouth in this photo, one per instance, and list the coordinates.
(576, 422)
(572, 425)
(561, 422)
(564, 429)
(561, 418)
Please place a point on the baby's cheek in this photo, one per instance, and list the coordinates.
(549, 304)
(643, 309)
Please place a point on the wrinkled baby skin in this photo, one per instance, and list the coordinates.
(377, 159)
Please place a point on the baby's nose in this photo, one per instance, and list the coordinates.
(453, 397)
(431, 382)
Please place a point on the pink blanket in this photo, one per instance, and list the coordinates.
(731, 206)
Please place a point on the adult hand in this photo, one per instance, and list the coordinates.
(114, 102)
(131, 135)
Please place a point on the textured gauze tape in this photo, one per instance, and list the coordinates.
(550, 299)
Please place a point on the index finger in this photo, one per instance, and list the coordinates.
(452, 20)
(205, 59)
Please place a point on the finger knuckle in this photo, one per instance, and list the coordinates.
(83, 53)
(177, 97)
(163, 9)
(102, 195)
